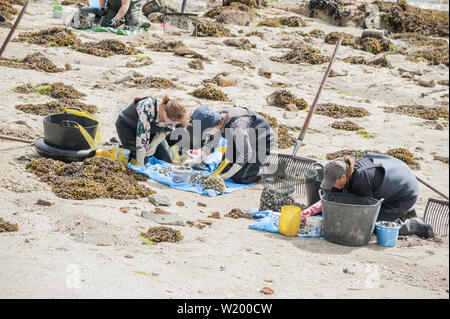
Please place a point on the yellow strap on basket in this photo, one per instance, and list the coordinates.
(98, 135)
(87, 137)
(221, 167)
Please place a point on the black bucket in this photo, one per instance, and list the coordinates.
(349, 219)
(60, 131)
(314, 177)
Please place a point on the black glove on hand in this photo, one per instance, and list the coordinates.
(2, 18)
(113, 23)
(102, 11)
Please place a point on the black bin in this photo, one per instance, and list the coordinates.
(60, 131)
(314, 177)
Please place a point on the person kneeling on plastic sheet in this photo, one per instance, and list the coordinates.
(249, 140)
(118, 12)
(143, 126)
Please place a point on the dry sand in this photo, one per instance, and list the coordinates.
(89, 249)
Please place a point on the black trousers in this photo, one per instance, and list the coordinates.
(127, 136)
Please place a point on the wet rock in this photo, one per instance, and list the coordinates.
(265, 73)
(334, 73)
(170, 219)
(236, 17)
(426, 83)
(289, 115)
(160, 200)
(291, 108)
(44, 202)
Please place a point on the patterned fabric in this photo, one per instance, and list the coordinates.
(146, 110)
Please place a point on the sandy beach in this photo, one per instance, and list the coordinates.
(90, 249)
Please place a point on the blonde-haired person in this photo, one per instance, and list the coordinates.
(143, 126)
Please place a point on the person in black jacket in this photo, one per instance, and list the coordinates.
(378, 176)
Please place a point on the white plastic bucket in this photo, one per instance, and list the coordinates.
(314, 226)
(67, 15)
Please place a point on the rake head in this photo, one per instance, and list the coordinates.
(436, 214)
(288, 170)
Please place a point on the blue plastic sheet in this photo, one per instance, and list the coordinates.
(151, 170)
(268, 221)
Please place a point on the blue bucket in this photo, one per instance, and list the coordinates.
(387, 236)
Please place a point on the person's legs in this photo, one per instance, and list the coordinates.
(163, 152)
(110, 13)
(127, 136)
(248, 174)
(134, 18)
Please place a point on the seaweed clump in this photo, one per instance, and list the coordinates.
(346, 126)
(96, 177)
(333, 8)
(36, 61)
(7, 9)
(292, 21)
(7, 226)
(302, 55)
(57, 37)
(207, 28)
(196, 64)
(317, 33)
(340, 111)
(237, 213)
(255, 33)
(242, 44)
(284, 138)
(333, 37)
(162, 234)
(165, 46)
(401, 17)
(283, 98)
(152, 82)
(405, 156)
(377, 62)
(106, 48)
(241, 64)
(368, 44)
(55, 107)
(421, 111)
(214, 182)
(209, 92)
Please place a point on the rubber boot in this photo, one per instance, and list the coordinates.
(416, 226)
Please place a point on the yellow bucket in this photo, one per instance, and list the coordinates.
(290, 220)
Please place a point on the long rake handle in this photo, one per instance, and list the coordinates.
(316, 99)
(11, 32)
(432, 188)
(15, 139)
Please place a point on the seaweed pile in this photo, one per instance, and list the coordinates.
(196, 64)
(242, 44)
(284, 138)
(162, 234)
(306, 54)
(237, 213)
(401, 17)
(283, 98)
(214, 182)
(317, 33)
(399, 153)
(206, 28)
(55, 37)
(237, 6)
(36, 61)
(7, 9)
(255, 33)
(340, 111)
(106, 48)
(346, 126)
(381, 61)
(241, 64)
(57, 90)
(96, 177)
(150, 82)
(368, 44)
(420, 47)
(421, 111)
(165, 46)
(209, 92)
(55, 107)
(333, 8)
(292, 21)
(139, 61)
(405, 156)
(7, 226)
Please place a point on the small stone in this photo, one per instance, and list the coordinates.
(68, 67)
(180, 204)
(291, 108)
(225, 81)
(289, 115)
(128, 256)
(267, 291)
(215, 215)
(206, 222)
(201, 204)
(161, 211)
(429, 84)
(159, 200)
(44, 202)
(124, 210)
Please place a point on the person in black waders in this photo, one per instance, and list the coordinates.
(379, 176)
(143, 126)
(249, 140)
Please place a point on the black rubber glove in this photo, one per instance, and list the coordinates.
(114, 23)
(2, 18)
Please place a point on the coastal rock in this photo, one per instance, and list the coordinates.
(236, 17)
(159, 200)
